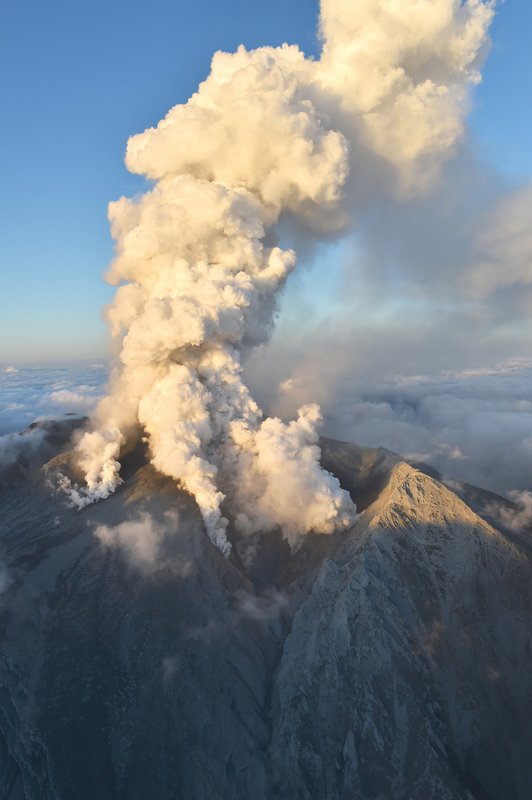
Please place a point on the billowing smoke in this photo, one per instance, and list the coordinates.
(269, 133)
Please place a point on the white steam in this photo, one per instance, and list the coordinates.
(141, 540)
(402, 68)
(518, 518)
(268, 132)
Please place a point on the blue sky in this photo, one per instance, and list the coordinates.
(79, 79)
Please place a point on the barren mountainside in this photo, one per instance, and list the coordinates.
(389, 662)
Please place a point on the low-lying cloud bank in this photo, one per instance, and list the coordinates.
(474, 425)
(29, 393)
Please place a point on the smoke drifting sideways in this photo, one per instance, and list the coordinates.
(269, 133)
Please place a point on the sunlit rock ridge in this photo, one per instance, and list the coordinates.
(389, 660)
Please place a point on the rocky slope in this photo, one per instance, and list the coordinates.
(392, 661)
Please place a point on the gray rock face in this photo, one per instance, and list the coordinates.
(391, 661)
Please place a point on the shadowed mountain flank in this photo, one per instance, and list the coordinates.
(391, 660)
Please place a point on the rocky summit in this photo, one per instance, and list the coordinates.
(389, 662)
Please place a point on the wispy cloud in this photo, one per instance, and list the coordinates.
(141, 539)
(520, 516)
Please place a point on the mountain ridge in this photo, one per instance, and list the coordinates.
(390, 661)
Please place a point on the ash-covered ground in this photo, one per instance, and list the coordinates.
(389, 661)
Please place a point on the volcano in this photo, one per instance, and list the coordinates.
(392, 660)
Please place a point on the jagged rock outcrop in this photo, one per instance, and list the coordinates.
(391, 661)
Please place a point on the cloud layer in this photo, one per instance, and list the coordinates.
(473, 425)
(29, 393)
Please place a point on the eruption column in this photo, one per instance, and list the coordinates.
(256, 140)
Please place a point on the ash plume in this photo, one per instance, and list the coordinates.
(269, 133)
